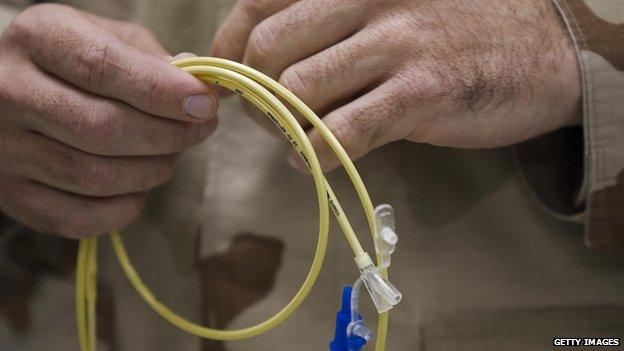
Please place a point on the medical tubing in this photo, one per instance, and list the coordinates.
(91, 293)
(86, 293)
(263, 92)
(80, 294)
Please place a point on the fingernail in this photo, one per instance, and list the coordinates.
(184, 55)
(201, 107)
(295, 161)
(207, 129)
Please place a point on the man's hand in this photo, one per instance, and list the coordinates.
(92, 115)
(474, 74)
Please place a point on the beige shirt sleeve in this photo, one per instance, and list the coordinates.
(579, 172)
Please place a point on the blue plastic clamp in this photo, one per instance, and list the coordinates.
(343, 342)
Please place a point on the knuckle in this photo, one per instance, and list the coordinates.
(97, 127)
(23, 25)
(28, 23)
(261, 44)
(299, 81)
(20, 29)
(256, 9)
(95, 62)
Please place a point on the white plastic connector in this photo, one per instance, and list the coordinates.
(385, 236)
(363, 261)
(382, 292)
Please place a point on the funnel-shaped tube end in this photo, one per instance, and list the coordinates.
(383, 293)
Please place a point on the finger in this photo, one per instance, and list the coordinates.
(134, 34)
(94, 124)
(81, 53)
(338, 73)
(231, 38)
(372, 120)
(74, 216)
(300, 31)
(65, 168)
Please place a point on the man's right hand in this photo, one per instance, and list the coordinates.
(92, 115)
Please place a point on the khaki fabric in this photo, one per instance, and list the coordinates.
(229, 240)
(597, 28)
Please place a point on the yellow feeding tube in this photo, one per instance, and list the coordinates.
(264, 93)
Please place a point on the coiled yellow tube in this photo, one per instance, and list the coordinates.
(263, 92)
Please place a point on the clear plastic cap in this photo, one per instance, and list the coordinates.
(385, 236)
